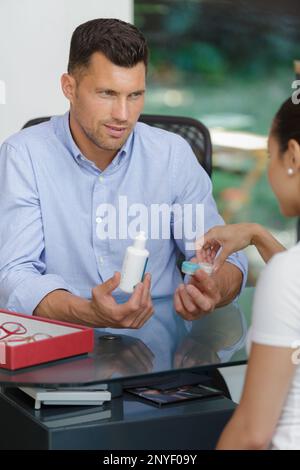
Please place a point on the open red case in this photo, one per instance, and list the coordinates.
(28, 340)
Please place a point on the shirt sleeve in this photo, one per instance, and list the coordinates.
(23, 282)
(276, 315)
(195, 210)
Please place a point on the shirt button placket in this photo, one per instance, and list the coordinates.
(99, 221)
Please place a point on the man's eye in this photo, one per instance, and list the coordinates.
(105, 93)
(134, 96)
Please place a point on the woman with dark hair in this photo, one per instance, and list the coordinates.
(268, 415)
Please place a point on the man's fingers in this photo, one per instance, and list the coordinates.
(110, 285)
(143, 317)
(146, 292)
(131, 314)
(131, 308)
(138, 309)
(199, 300)
(136, 297)
(188, 305)
(180, 307)
(145, 303)
(147, 280)
(177, 302)
(201, 279)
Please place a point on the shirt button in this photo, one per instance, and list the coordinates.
(101, 179)
(101, 260)
(98, 220)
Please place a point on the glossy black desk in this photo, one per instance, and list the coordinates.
(167, 350)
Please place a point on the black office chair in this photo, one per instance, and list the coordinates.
(192, 130)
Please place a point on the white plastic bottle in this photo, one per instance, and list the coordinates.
(134, 264)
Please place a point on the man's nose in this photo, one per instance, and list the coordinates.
(120, 110)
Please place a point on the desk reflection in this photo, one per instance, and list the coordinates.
(165, 343)
(213, 339)
(123, 355)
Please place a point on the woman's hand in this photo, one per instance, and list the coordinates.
(228, 239)
(231, 238)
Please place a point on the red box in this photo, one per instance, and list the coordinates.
(67, 339)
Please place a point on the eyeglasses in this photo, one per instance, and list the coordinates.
(12, 329)
(29, 339)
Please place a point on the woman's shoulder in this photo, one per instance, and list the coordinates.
(276, 315)
(280, 279)
(285, 265)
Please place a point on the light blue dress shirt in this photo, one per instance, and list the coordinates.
(49, 210)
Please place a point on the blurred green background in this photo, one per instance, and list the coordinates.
(228, 63)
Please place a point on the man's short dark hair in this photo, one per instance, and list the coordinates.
(122, 43)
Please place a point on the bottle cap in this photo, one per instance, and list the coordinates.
(140, 240)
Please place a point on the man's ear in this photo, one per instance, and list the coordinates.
(293, 155)
(68, 85)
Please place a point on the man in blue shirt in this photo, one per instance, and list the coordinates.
(56, 179)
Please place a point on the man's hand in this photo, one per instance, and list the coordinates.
(204, 293)
(199, 297)
(102, 311)
(131, 314)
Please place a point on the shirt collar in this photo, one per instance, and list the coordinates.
(66, 136)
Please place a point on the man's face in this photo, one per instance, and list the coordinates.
(107, 100)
